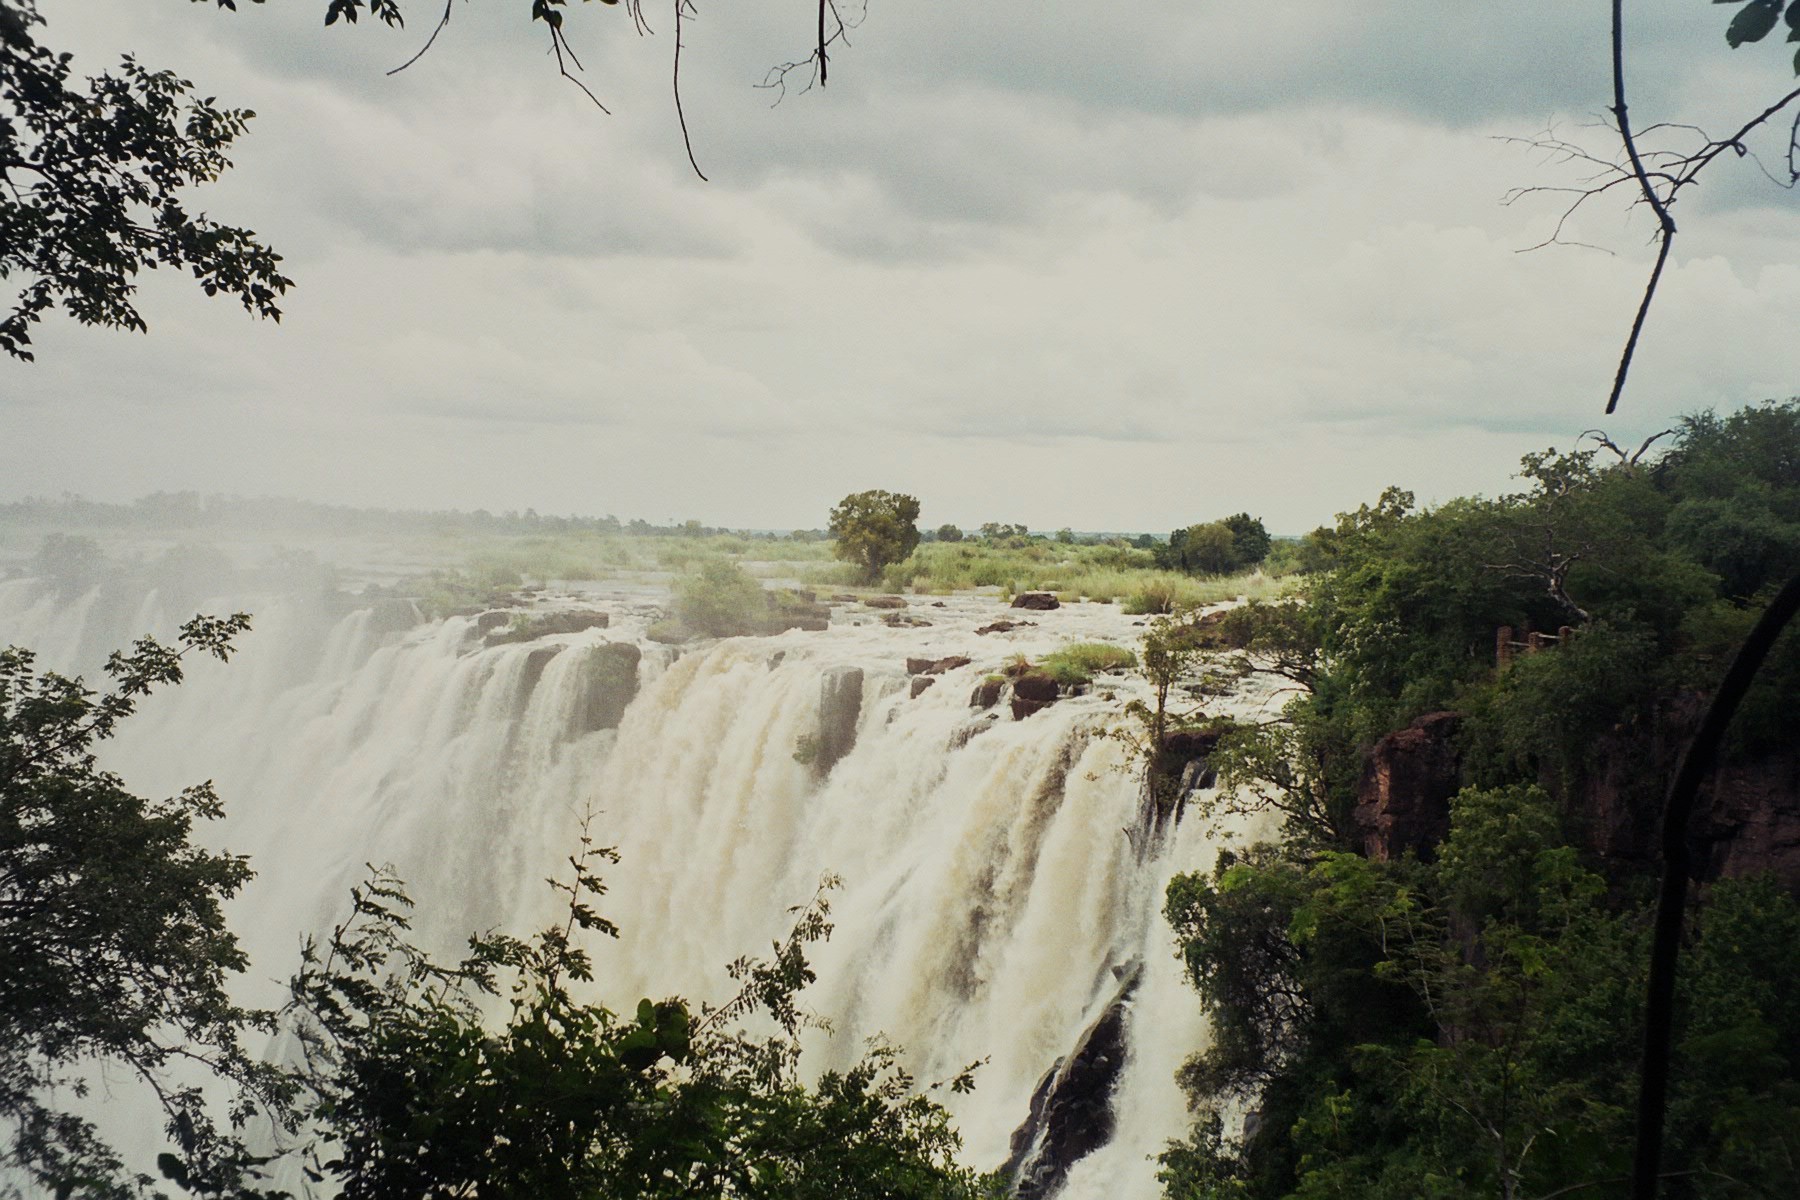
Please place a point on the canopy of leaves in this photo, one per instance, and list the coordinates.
(113, 946)
(416, 1095)
(92, 175)
(1236, 543)
(1468, 1026)
(873, 529)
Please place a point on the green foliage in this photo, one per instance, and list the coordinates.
(113, 949)
(1078, 662)
(444, 593)
(720, 600)
(1468, 1026)
(1236, 543)
(874, 528)
(416, 1095)
(111, 155)
(1757, 19)
(1099, 572)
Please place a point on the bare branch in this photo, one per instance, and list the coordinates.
(442, 21)
(683, 7)
(560, 45)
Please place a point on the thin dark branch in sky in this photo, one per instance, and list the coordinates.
(442, 21)
(1665, 223)
(687, 141)
(560, 45)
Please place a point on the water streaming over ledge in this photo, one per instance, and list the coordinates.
(994, 892)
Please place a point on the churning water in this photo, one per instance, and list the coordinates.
(997, 884)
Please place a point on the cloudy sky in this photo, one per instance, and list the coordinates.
(1115, 266)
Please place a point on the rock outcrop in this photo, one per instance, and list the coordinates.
(1072, 1107)
(609, 682)
(920, 683)
(1748, 822)
(987, 693)
(886, 601)
(1004, 626)
(935, 666)
(1033, 692)
(1745, 822)
(1038, 601)
(840, 708)
(531, 628)
(1403, 800)
(535, 662)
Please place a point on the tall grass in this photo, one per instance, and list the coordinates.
(1074, 572)
(588, 556)
(1099, 573)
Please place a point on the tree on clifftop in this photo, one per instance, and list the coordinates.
(875, 528)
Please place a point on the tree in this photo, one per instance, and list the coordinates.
(417, 1095)
(1249, 540)
(94, 174)
(949, 533)
(1208, 549)
(1217, 547)
(90, 188)
(113, 946)
(873, 529)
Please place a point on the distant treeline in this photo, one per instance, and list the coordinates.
(194, 511)
(178, 511)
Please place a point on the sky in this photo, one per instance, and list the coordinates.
(1111, 266)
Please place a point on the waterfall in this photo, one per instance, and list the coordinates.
(994, 890)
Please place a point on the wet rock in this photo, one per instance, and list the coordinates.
(961, 735)
(394, 615)
(936, 666)
(535, 662)
(899, 620)
(840, 708)
(1038, 601)
(1004, 626)
(920, 683)
(529, 629)
(493, 619)
(1032, 692)
(1071, 1112)
(608, 683)
(987, 693)
(886, 602)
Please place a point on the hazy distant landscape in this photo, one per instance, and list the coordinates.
(1022, 601)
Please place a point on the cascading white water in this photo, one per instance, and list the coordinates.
(992, 891)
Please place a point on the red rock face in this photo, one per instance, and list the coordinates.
(1746, 823)
(1749, 822)
(1403, 801)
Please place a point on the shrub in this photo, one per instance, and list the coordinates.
(720, 600)
(1079, 662)
(1152, 596)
